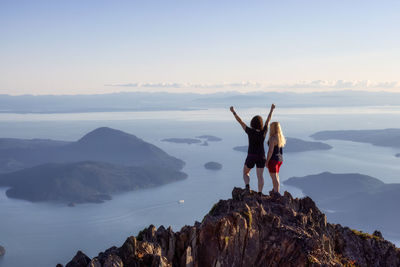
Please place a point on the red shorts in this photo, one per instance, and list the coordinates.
(274, 166)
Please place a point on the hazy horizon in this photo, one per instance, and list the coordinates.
(226, 92)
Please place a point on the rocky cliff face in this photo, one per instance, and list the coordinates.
(252, 230)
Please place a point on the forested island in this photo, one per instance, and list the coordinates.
(212, 165)
(384, 137)
(103, 162)
(188, 141)
(204, 139)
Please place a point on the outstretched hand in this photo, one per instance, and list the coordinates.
(232, 109)
(272, 107)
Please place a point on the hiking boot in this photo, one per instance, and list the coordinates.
(247, 189)
(274, 194)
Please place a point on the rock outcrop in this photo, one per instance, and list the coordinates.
(2, 251)
(212, 165)
(252, 230)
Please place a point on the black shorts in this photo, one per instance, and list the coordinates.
(258, 160)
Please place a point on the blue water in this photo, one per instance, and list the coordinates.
(43, 234)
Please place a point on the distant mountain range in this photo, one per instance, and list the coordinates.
(384, 137)
(294, 145)
(354, 199)
(103, 144)
(133, 101)
(103, 162)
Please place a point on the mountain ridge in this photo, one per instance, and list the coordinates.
(251, 230)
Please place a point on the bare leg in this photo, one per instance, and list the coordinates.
(260, 179)
(275, 181)
(246, 174)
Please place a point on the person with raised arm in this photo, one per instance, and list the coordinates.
(255, 154)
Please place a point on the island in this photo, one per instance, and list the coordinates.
(102, 163)
(202, 140)
(385, 137)
(188, 141)
(354, 199)
(210, 138)
(212, 165)
(103, 144)
(2, 251)
(205, 143)
(81, 182)
(294, 145)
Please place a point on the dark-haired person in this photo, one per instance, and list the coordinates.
(255, 153)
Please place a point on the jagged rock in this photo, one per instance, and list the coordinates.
(253, 230)
(80, 260)
(2, 251)
(377, 234)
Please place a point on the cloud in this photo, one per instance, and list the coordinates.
(246, 84)
(339, 84)
(250, 85)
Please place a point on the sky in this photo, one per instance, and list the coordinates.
(96, 46)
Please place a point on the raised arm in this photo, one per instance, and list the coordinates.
(239, 120)
(269, 116)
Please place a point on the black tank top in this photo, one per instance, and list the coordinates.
(256, 141)
(277, 154)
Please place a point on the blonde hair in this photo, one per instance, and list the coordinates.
(275, 130)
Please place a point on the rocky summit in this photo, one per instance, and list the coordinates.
(252, 230)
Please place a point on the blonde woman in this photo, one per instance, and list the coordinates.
(275, 154)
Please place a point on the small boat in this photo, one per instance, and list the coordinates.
(181, 201)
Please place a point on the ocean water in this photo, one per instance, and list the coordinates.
(43, 234)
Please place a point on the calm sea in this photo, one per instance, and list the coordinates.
(43, 234)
